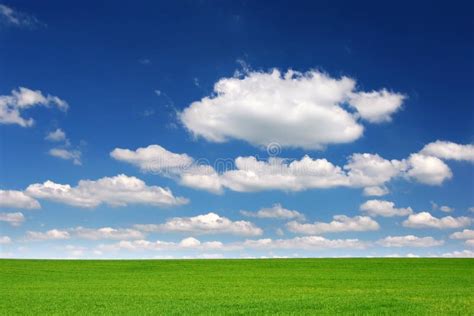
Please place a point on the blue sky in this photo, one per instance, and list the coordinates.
(158, 92)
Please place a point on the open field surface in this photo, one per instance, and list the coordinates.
(273, 286)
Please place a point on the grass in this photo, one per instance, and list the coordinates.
(273, 286)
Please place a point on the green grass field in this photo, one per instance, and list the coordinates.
(274, 286)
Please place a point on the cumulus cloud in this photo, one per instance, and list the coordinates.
(57, 135)
(12, 106)
(449, 150)
(376, 191)
(67, 154)
(426, 220)
(210, 223)
(12, 17)
(383, 208)
(276, 211)
(153, 158)
(14, 219)
(53, 234)
(17, 199)
(293, 109)
(428, 169)
(409, 241)
(377, 106)
(120, 190)
(306, 242)
(340, 223)
(465, 234)
(249, 174)
(140, 245)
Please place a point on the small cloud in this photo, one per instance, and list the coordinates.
(67, 154)
(56, 136)
(144, 61)
(12, 17)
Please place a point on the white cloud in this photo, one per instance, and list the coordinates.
(210, 223)
(203, 178)
(471, 209)
(469, 242)
(449, 150)
(17, 199)
(106, 233)
(409, 241)
(446, 209)
(56, 136)
(427, 169)
(459, 254)
(426, 220)
(383, 208)
(465, 234)
(120, 190)
(13, 17)
(276, 211)
(66, 154)
(12, 106)
(377, 106)
(14, 219)
(306, 242)
(293, 109)
(371, 170)
(5, 240)
(340, 223)
(376, 191)
(140, 245)
(153, 158)
(53, 234)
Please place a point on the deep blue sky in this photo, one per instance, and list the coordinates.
(107, 59)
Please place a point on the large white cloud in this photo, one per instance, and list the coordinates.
(383, 208)
(426, 220)
(120, 190)
(210, 223)
(340, 223)
(276, 211)
(293, 109)
(449, 150)
(12, 106)
(409, 241)
(17, 199)
(248, 174)
(14, 219)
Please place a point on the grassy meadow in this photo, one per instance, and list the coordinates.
(270, 286)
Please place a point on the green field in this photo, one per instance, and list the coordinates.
(273, 286)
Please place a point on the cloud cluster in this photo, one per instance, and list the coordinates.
(384, 208)
(53, 234)
(409, 241)
(12, 106)
(340, 223)
(248, 174)
(120, 190)
(210, 223)
(426, 220)
(294, 109)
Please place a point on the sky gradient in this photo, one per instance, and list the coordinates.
(236, 129)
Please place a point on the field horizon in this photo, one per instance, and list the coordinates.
(238, 286)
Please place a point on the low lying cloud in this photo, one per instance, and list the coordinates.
(17, 199)
(409, 241)
(276, 211)
(384, 208)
